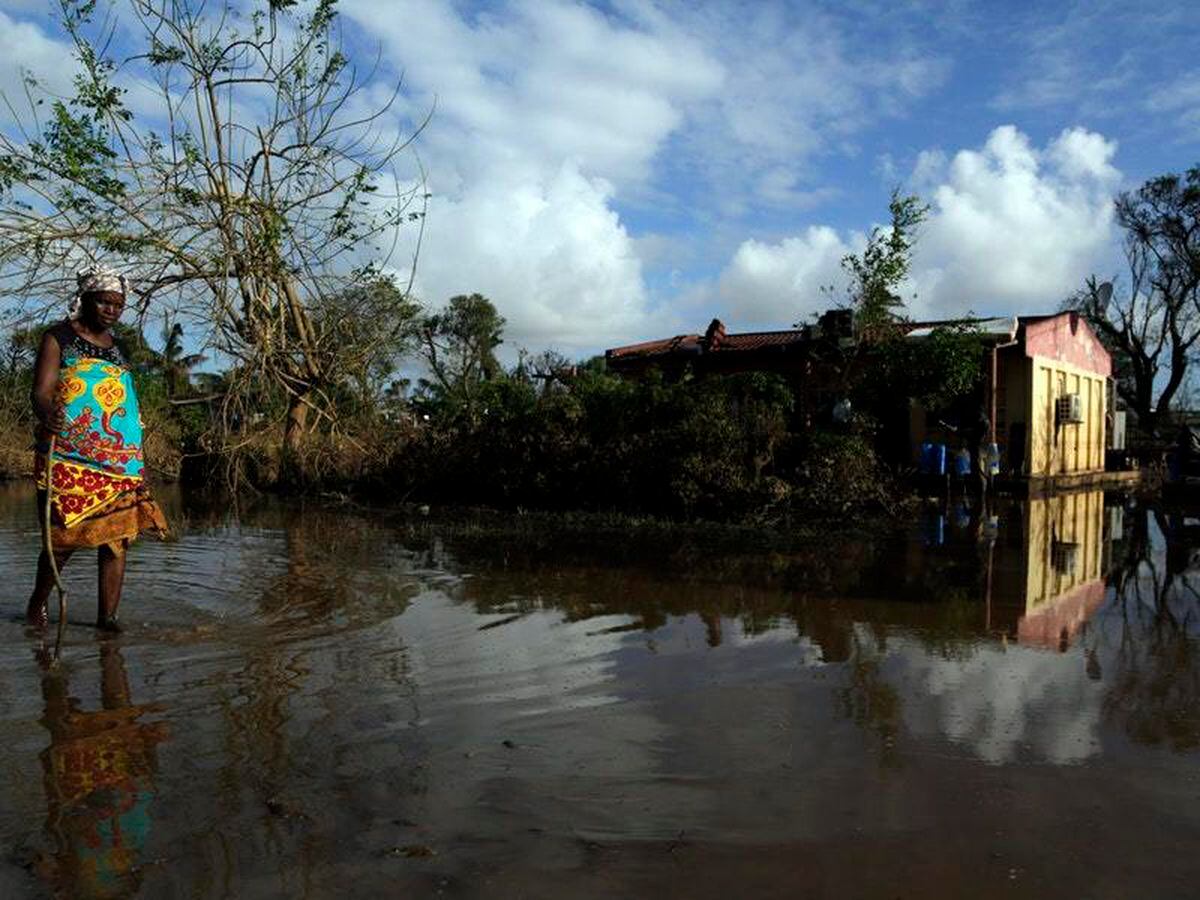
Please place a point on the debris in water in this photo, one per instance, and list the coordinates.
(413, 851)
(284, 810)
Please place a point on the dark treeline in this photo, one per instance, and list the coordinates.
(544, 434)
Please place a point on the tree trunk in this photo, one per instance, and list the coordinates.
(297, 416)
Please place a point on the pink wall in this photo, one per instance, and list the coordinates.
(1066, 613)
(1068, 338)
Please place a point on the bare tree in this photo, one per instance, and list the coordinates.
(1152, 324)
(249, 182)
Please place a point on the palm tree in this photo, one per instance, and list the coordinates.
(176, 366)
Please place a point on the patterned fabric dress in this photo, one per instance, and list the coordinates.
(100, 497)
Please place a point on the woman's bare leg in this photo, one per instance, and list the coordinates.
(112, 579)
(35, 612)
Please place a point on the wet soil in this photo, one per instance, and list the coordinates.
(312, 702)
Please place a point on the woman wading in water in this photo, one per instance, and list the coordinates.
(83, 397)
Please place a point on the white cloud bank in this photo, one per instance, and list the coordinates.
(1012, 229)
(550, 251)
(774, 285)
(1017, 229)
(543, 111)
(550, 112)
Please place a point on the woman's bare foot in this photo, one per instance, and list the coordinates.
(37, 615)
(108, 624)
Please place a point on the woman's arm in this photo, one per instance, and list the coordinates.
(46, 407)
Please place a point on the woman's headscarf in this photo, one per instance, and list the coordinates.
(96, 279)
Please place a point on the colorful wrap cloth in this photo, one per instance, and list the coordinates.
(99, 495)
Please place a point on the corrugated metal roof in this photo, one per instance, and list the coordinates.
(1003, 327)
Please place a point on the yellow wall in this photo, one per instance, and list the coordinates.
(1058, 449)
(1068, 519)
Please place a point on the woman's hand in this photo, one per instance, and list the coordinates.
(55, 419)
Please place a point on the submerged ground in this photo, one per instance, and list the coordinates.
(307, 702)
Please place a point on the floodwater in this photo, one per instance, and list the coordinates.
(310, 702)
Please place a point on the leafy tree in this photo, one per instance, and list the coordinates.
(21, 349)
(934, 371)
(1152, 324)
(458, 346)
(878, 273)
(16, 376)
(883, 364)
(248, 196)
(375, 323)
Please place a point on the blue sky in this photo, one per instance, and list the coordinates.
(615, 171)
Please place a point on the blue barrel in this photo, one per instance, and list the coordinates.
(933, 459)
(962, 516)
(962, 463)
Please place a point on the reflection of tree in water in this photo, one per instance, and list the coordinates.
(99, 777)
(313, 582)
(333, 564)
(337, 575)
(818, 591)
(868, 699)
(824, 593)
(1155, 689)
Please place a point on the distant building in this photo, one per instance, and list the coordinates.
(1047, 394)
(799, 355)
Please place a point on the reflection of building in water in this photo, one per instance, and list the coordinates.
(1054, 581)
(99, 779)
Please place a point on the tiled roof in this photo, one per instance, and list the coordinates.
(716, 340)
(694, 343)
(682, 343)
(757, 340)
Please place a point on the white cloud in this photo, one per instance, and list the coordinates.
(1016, 229)
(25, 49)
(543, 112)
(536, 84)
(552, 255)
(773, 285)
(548, 113)
(1012, 229)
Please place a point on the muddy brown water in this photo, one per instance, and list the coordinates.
(313, 703)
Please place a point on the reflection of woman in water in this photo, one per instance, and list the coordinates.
(99, 779)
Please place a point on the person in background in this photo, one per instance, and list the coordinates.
(976, 431)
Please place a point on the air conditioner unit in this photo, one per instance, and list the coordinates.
(1068, 409)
